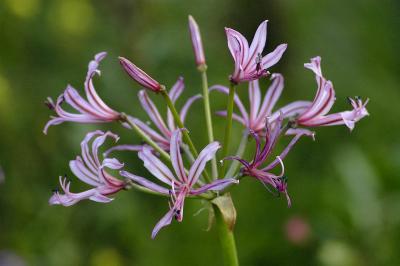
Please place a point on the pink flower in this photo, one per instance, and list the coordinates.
(182, 183)
(249, 62)
(92, 110)
(196, 42)
(316, 114)
(259, 111)
(163, 136)
(139, 75)
(253, 168)
(90, 170)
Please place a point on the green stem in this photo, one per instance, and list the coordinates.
(185, 133)
(242, 147)
(227, 239)
(207, 112)
(145, 137)
(228, 128)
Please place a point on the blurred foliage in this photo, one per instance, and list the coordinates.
(345, 187)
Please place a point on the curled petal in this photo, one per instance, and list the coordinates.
(91, 93)
(69, 198)
(112, 163)
(92, 110)
(81, 171)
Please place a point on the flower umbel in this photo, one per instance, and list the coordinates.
(183, 183)
(92, 110)
(316, 114)
(90, 170)
(249, 62)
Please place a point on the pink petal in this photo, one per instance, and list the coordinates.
(153, 113)
(290, 110)
(198, 165)
(91, 93)
(271, 97)
(273, 57)
(124, 147)
(216, 185)
(176, 157)
(255, 100)
(238, 46)
(156, 167)
(145, 183)
(237, 100)
(258, 44)
(83, 173)
(187, 105)
(166, 220)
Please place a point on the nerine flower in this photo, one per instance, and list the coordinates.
(91, 170)
(196, 42)
(259, 111)
(92, 110)
(249, 62)
(181, 184)
(317, 113)
(254, 169)
(139, 75)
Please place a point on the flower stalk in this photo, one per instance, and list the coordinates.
(228, 127)
(226, 238)
(145, 137)
(179, 123)
(207, 112)
(240, 151)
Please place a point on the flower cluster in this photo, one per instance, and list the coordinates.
(165, 144)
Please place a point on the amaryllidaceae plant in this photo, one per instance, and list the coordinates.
(177, 177)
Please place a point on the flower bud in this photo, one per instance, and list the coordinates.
(196, 42)
(139, 75)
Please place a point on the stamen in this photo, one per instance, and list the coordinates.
(258, 62)
(49, 104)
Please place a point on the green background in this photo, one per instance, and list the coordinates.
(344, 186)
